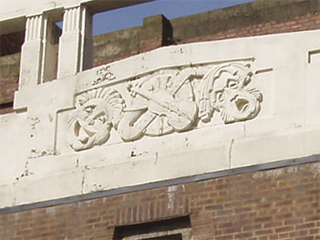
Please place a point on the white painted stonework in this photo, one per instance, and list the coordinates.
(161, 103)
(172, 112)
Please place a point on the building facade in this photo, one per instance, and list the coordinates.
(202, 127)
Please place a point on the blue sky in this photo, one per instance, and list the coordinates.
(133, 16)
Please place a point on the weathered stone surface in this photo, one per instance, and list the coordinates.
(169, 91)
(215, 139)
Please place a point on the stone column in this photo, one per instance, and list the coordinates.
(75, 49)
(32, 52)
(39, 52)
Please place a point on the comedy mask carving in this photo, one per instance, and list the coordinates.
(225, 90)
(95, 114)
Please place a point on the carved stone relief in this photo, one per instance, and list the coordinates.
(104, 76)
(164, 102)
(225, 90)
(95, 114)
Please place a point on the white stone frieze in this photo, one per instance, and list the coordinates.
(166, 101)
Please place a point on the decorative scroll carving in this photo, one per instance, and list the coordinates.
(225, 90)
(104, 76)
(164, 102)
(95, 114)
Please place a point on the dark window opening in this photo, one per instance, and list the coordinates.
(169, 237)
(11, 43)
(6, 107)
(173, 229)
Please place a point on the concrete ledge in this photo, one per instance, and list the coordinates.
(182, 180)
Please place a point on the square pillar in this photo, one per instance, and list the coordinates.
(75, 49)
(32, 52)
(39, 52)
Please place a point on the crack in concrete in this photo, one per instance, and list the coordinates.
(187, 142)
(230, 152)
(26, 171)
(156, 158)
(77, 163)
(83, 178)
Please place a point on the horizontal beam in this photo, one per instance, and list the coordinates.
(166, 183)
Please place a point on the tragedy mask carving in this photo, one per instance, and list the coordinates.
(225, 90)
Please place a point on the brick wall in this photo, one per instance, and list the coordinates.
(251, 19)
(8, 86)
(283, 203)
(310, 21)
